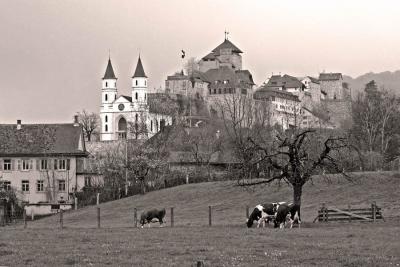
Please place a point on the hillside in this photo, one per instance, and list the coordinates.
(387, 79)
(191, 201)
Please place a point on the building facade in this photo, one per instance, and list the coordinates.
(39, 161)
(130, 116)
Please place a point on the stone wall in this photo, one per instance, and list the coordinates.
(338, 111)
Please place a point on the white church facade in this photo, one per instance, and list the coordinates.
(128, 117)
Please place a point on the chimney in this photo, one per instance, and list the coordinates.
(76, 122)
(19, 125)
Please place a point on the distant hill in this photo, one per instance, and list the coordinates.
(387, 79)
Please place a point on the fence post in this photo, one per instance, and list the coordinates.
(247, 212)
(373, 209)
(76, 203)
(98, 217)
(61, 218)
(172, 217)
(98, 199)
(32, 215)
(323, 212)
(349, 210)
(135, 217)
(209, 215)
(2, 216)
(24, 216)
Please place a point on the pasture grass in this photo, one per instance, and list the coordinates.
(344, 244)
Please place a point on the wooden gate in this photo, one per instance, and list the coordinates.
(331, 214)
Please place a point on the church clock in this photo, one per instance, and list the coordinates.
(121, 107)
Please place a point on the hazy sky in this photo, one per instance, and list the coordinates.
(54, 53)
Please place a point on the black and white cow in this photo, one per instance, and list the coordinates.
(284, 211)
(262, 214)
(148, 216)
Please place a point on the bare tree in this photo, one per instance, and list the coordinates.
(90, 122)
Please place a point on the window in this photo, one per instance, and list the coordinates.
(106, 84)
(39, 186)
(62, 164)
(151, 126)
(26, 164)
(106, 97)
(136, 82)
(7, 165)
(106, 118)
(136, 96)
(7, 185)
(215, 91)
(145, 83)
(219, 90)
(244, 91)
(209, 91)
(136, 117)
(43, 164)
(106, 128)
(145, 96)
(88, 181)
(61, 185)
(25, 186)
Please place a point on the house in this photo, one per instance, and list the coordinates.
(39, 161)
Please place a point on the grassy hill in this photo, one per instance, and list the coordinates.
(191, 201)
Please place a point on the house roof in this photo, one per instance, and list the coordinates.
(41, 140)
(139, 72)
(285, 81)
(224, 73)
(109, 74)
(226, 44)
(265, 91)
(210, 56)
(314, 80)
(330, 76)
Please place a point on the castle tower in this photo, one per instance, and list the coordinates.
(139, 85)
(108, 95)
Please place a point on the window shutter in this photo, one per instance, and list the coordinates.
(38, 164)
(68, 163)
(1, 164)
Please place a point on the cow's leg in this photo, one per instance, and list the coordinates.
(282, 225)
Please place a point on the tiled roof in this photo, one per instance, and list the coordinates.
(265, 92)
(235, 78)
(109, 71)
(226, 44)
(330, 76)
(139, 72)
(285, 81)
(314, 80)
(210, 56)
(41, 140)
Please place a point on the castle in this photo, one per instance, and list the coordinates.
(128, 117)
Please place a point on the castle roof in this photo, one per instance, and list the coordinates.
(285, 81)
(330, 76)
(139, 72)
(41, 140)
(109, 71)
(224, 45)
(265, 92)
(233, 78)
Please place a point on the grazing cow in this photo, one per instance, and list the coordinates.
(262, 214)
(287, 210)
(294, 214)
(148, 216)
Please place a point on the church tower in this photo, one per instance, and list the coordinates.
(108, 95)
(139, 85)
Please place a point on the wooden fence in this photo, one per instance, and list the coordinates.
(349, 214)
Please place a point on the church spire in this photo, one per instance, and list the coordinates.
(109, 71)
(139, 72)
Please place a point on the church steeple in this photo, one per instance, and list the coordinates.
(109, 71)
(139, 72)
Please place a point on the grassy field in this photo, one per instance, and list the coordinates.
(228, 242)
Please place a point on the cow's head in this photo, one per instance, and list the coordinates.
(254, 216)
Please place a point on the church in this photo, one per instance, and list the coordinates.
(128, 117)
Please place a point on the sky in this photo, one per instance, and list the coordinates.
(54, 53)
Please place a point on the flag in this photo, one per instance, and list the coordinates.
(183, 54)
